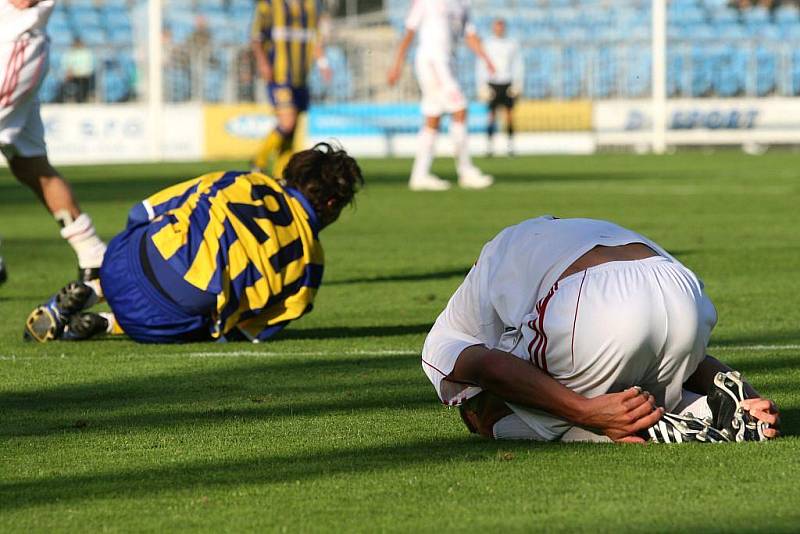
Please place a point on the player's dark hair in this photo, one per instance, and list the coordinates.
(327, 176)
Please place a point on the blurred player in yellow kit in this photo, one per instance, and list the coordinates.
(225, 256)
(286, 44)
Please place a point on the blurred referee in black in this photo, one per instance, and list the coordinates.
(503, 87)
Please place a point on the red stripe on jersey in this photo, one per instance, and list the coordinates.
(9, 74)
(575, 321)
(16, 69)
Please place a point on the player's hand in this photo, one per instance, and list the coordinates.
(766, 411)
(394, 75)
(620, 416)
(490, 67)
(265, 71)
(23, 4)
(327, 74)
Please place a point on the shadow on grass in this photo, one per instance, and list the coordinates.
(416, 277)
(339, 332)
(262, 469)
(217, 392)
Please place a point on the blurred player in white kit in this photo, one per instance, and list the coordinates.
(501, 89)
(24, 50)
(440, 24)
(568, 324)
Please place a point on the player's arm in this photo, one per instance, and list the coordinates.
(24, 4)
(618, 415)
(319, 48)
(475, 44)
(400, 57)
(261, 20)
(762, 409)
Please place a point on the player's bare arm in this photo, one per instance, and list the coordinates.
(618, 415)
(262, 62)
(702, 381)
(476, 45)
(23, 4)
(397, 67)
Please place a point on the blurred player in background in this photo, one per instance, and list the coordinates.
(440, 24)
(226, 256)
(503, 87)
(23, 63)
(286, 42)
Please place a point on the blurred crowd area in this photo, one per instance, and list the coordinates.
(572, 49)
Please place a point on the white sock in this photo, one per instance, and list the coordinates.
(89, 248)
(458, 131)
(695, 404)
(426, 141)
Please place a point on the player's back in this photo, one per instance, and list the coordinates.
(520, 265)
(14, 23)
(245, 238)
(288, 31)
(439, 24)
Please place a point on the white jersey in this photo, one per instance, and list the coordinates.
(439, 25)
(507, 60)
(514, 272)
(609, 327)
(14, 23)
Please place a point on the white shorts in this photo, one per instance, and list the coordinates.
(625, 323)
(23, 64)
(602, 330)
(440, 90)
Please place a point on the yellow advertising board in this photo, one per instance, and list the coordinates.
(553, 116)
(235, 131)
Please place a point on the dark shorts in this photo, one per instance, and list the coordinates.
(500, 96)
(282, 95)
(144, 309)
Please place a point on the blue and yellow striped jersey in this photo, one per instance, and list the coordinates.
(288, 31)
(245, 238)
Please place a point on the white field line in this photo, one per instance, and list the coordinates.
(353, 352)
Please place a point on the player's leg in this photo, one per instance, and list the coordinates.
(491, 122)
(281, 138)
(301, 99)
(510, 126)
(22, 143)
(452, 100)
(430, 105)
(421, 177)
(56, 195)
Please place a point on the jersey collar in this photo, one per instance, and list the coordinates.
(313, 219)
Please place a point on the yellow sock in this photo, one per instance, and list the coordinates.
(269, 149)
(114, 328)
(285, 154)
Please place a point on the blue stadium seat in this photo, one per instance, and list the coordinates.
(766, 71)
(787, 13)
(540, 66)
(573, 72)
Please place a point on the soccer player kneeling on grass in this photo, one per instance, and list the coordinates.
(228, 255)
(581, 330)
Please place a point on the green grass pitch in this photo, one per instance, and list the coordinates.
(334, 427)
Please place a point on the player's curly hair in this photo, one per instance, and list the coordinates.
(327, 176)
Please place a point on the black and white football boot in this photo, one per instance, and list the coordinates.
(3, 272)
(725, 400)
(85, 325)
(49, 321)
(674, 428)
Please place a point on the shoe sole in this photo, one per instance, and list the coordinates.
(41, 326)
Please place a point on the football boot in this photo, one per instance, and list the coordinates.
(48, 321)
(674, 428)
(725, 400)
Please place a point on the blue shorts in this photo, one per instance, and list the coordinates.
(282, 95)
(150, 308)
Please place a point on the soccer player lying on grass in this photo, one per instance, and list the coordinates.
(228, 255)
(569, 325)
